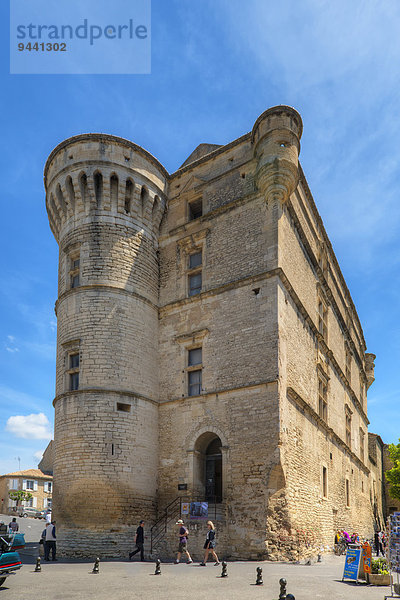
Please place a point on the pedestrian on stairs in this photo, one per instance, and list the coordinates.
(183, 536)
(139, 542)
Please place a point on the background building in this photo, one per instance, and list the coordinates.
(208, 348)
(34, 481)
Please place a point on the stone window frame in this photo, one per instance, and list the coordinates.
(347, 492)
(71, 348)
(362, 444)
(191, 341)
(322, 313)
(323, 261)
(194, 271)
(186, 247)
(348, 421)
(192, 369)
(323, 389)
(362, 391)
(73, 278)
(324, 482)
(348, 358)
(193, 210)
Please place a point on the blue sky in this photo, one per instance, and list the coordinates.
(216, 65)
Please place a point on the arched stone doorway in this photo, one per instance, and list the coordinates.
(207, 470)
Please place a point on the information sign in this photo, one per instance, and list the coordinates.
(352, 564)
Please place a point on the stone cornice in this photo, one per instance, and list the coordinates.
(299, 401)
(100, 390)
(317, 217)
(105, 288)
(103, 137)
(207, 394)
(302, 310)
(322, 343)
(324, 285)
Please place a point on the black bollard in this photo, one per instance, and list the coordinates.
(319, 559)
(259, 580)
(224, 569)
(38, 567)
(290, 597)
(158, 567)
(96, 567)
(282, 593)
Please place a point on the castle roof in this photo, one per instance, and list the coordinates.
(200, 151)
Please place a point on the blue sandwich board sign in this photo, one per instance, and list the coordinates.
(352, 564)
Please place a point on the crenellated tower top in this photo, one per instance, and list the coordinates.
(103, 177)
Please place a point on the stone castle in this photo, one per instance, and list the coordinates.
(207, 347)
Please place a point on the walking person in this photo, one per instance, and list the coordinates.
(139, 542)
(209, 545)
(50, 541)
(13, 526)
(380, 546)
(183, 536)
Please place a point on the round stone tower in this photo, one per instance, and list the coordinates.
(105, 201)
(276, 137)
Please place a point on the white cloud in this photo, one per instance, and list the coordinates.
(39, 455)
(34, 427)
(12, 350)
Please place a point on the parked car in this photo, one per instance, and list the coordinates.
(27, 511)
(42, 514)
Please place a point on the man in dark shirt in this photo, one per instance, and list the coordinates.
(139, 542)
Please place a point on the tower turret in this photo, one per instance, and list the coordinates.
(276, 136)
(105, 201)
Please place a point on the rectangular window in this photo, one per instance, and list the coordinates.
(195, 260)
(322, 398)
(74, 270)
(322, 318)
(194, 383)
(13, 484)
(73, 382)
(29, 484)
(348, 364)
(361, 393)
(195, 284)
(48, 486)
(348, 429)
(362, 445)
(74, 361)
(324, 482)
(123, 407)
(347, 493)
(195, 209)
(73, 371)
(195, 357)
(195, 371)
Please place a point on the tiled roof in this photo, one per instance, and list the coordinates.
(35, 473)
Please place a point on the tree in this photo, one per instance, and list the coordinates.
(393, 475)
(20, 496)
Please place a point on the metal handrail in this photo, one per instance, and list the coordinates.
(160, 526)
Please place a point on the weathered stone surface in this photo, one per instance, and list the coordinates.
(290, 475)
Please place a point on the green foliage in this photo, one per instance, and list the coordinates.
(379, 565)
(20, 496)
(393, 475)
